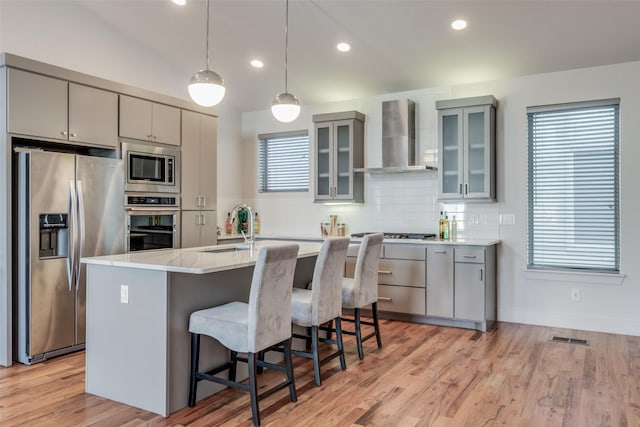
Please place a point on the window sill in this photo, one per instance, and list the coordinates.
(613, 279)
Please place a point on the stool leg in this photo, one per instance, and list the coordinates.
(307, 342)
(330, 326)
(314, 351)
(260, 369)
(289, 368)
(234, 364)
(253, 387)
(343, 363)
(374, 310)
(356, 315)
(195, 359)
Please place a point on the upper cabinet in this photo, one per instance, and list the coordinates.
(56, 109)
(199, 161)
(149, 121)
(466, 145)
(338, 149)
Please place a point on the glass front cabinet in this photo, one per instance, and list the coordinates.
(466, 145)
(339, 149)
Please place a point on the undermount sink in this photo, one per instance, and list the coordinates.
(221, 250)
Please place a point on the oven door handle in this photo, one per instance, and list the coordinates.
(154, 209)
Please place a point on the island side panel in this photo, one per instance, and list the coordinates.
(126, 350)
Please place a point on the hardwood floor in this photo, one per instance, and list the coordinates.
(424, 375)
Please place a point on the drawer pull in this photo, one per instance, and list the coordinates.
(384, 272)
(470, 256)
(440, 252)
(385, 299)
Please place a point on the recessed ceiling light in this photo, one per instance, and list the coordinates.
(459, 24)
(344, 47)
(180, 2)
(256, 63)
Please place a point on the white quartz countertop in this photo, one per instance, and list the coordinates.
(428, 242)
(202, 260)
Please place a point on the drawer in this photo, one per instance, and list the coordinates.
(405, 252)
(469, 254)
(354, 248)
(401, 272)
(400, 299)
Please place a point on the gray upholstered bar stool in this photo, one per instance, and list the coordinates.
(362, 290)
(322, 303)
(263, 323)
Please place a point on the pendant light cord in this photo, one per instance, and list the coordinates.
(207, 44)
(286, 44)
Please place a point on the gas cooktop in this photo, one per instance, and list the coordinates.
(419, 236)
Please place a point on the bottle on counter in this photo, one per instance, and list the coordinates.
(446, 227)
(441, 226)
(228, 225)
(256, 224)
(453, 228)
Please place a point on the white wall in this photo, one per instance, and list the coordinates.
(408, 202)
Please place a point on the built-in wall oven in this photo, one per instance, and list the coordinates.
(152, 221)
(151, 168)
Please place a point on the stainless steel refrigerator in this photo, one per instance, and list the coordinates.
(68, 206)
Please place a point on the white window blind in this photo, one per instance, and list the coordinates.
(573, 186)
(283, 162)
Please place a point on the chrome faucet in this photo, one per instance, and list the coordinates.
(251, 239)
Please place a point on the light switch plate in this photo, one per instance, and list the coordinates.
(507, 219)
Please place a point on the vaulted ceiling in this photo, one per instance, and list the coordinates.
(397, 45)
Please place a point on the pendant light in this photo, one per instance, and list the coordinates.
(285, 107)
(206, 87)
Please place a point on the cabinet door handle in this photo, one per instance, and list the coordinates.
(460, 188)
(149, 136)
(197, 219)
(63, 133)
(470, 256)
(385, 299)
(440, 252)
(481, 275)
(384, 272)
(203, 201)
(204, 219)
(466, 188)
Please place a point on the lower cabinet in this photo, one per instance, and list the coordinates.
(198, 228)
(401, 278)
(444, 284)
(440, 281)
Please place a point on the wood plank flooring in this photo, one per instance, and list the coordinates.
(423, 376)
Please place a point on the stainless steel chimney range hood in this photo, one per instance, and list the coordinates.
(398, 138)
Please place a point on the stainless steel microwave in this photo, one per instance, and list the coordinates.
(151, 167)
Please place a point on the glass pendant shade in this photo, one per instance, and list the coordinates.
(206, 88)
(285, 107)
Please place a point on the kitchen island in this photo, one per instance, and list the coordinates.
(138, 308)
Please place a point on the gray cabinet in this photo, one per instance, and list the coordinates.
(199, 161)
(401, 278)
(55, 109)
(440, 281)
(198, 179)
(199, 228)
(149, 121)
(475, 285)
(338, 150)
(466, 145)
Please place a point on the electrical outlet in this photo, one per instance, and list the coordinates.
(124, 294)
(575, 294)
(507, 219)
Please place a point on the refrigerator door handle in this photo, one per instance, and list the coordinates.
(71, 258)
(81, 232)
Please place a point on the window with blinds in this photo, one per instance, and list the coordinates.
(573, 186)
(283, 162)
